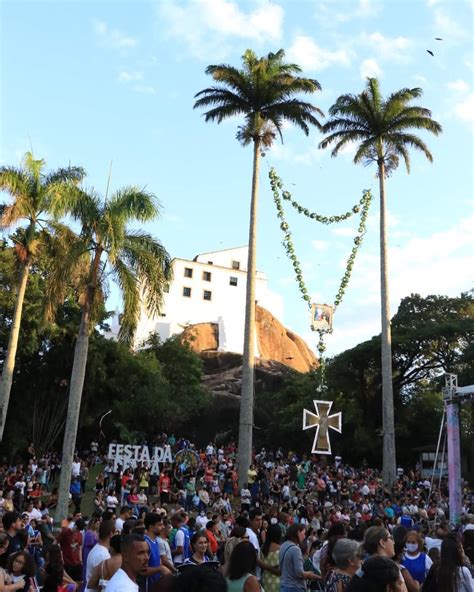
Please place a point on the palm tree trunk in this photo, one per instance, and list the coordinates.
(75, 394)
(248, 361)
(388, 419)
(9, 362)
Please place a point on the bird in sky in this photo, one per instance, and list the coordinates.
(438, 39)
(430, 52)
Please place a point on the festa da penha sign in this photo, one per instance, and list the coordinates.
(131, 456)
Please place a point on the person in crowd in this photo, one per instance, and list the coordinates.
(400, 534)
(179, 540)
(166, 558)
(269, 559)
(12, 525)
(199, 547)
(105, 570)
(6, 582)
(21, 567)
(100, 552)
(416, 561)
(346, 555)
(153, 526)
(70, 540)
(91, 536)
(197, 579)
(449, 574)
(378, 574)
(55, 578)
(242, 566)
(135, 553)
(293, 576)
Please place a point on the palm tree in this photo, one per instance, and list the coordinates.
(137, 262)
(32, 191)
(382, 130)
(263, 92)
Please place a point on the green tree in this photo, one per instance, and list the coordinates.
(138, 263)
(382, 130)
(263, 91)
(32, 190)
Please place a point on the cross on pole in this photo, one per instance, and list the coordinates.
(322, 421)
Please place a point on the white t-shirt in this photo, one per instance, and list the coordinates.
(97, 554)
(433, 543)
(120, 582)
(76, 469)
(164, 548)
(253, 538)
(465, 583)
(112, 501)
(119, 524)
(179, 540)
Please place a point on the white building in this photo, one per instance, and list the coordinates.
(208, 289)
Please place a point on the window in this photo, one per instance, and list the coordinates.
(206, 276)
(188, 272)
(235, 264)
(187, 292)
(207, 295)
(233, 281)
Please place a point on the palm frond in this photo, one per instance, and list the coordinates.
(133, 204)
(129, 288)
(71, 174)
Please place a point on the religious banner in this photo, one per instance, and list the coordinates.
(321, 317)
(322, 421)
(186, 463)
(130, 456)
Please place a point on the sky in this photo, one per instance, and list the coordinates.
(95, 83)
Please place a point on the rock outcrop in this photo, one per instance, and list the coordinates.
(275, 342)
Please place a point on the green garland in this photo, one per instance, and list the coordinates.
(363, 208)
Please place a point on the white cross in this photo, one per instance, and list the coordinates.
(322, 421)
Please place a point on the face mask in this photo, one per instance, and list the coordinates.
(412, 547)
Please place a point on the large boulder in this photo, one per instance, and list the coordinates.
(275, 342)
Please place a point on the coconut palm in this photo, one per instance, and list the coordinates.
(32, 190)
(382, 129)
(263, 91)
(137, 262)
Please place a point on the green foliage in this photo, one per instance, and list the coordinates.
(431, 336)
(379, 127)
(262, 91)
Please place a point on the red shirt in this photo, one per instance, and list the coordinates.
(213, 544)
(71, 543)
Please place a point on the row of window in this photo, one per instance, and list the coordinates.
(206, 294)
(207, 275)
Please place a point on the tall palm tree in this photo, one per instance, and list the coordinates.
(32, 191)
(263, 91)
(382, 129)
(137, 262)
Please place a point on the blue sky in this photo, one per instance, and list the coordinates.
(94, 82)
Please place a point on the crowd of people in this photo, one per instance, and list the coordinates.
(298, 523)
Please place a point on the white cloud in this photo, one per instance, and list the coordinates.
(444, 24)
(370, 69)
(144, 89)
(320, 245)
(462, 101)
(393, 48)
(458, 86)
(331, 12)
(419, 78)
(207, 26)
(112, 38)
(127, 76)
(420, 265)
(343, 231)
(464, 109)
(310, 56)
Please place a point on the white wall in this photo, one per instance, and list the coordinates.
(226, 307)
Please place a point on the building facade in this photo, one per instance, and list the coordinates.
(207, 289)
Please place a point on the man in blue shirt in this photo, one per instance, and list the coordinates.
(153, 526)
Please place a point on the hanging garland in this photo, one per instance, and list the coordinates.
(362, 207)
